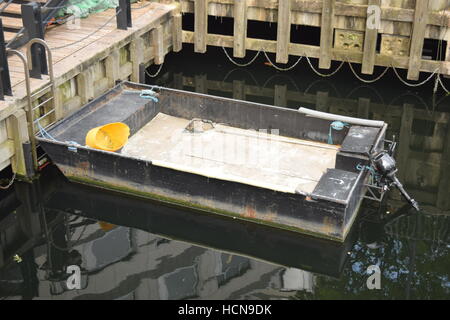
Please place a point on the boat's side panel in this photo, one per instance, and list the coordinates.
(248, 115)
(283, 210)
(276, 246)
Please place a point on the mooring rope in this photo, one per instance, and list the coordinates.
(364, 80)
(241, 64)
(438, 79)
(442, 84)
(414, 84)
(156, 73)
(323, 74)
(10, 183)
(279, 68)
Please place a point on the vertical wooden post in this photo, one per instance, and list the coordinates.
(158, 44)
(112, 67)
(85, 84)
(280, 97)
(200, 25)
(17, 131)
(283, 31)
(370, 45)
(240, 28)
(137, 57)
(177, 43)
(238, 89)
(326, 33)
(322, 101)
(417, 39)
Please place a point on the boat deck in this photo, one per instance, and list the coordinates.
(259, 158)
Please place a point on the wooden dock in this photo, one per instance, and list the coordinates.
(89, 56)
(398, 42)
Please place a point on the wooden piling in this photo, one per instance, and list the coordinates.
(370, 44)
(326, 33)
(283, 31)
(200, 25)
(417, 38)
(240, 28)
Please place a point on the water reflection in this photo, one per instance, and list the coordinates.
(126, 249)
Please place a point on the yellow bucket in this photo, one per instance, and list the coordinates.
(110, 137)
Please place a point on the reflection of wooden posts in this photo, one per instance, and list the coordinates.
(178, 81)
(28, 213)
(363, 108)
(238, 89)
(443, 199)
(200, 84)
(404, 142)
(280, 97)
(322, 101)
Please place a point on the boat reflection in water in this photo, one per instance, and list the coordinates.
(124, 249)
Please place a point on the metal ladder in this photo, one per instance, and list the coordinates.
(31, 121)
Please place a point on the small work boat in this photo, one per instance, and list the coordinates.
(299, 170)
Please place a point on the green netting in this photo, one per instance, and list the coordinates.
(83, 8)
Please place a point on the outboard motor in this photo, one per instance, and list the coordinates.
(385, 165)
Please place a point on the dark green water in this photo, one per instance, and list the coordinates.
(132, 249)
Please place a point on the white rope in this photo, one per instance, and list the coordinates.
(442, 84)
(364, 80)
(416, 84)
(157, 72)
(241, 64)
(279, 68)
(10, 183)
(323, 74)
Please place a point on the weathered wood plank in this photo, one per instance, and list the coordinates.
(283, 31)
(326, 34)
(177, 43)
(417, 39)
(370, 44)
(240, 28)
(158, 44)
(314, 52)
(200, 25)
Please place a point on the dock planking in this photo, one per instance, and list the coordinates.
(89, 55)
